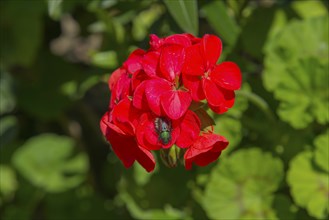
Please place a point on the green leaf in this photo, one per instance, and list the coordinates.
(141, 176)
(8, 182)
(241, 186)
(225, 26)
(309, 188)
(322, 152)
(61, 83)
(237, 6)
(231, 129)
(55, 8)
(138, 213)
(255, 31)
(108, 59)
(290, 58)
(284, 207)
(185, 14)
(205, 119)
(21, 24)
(143, 21)
(303, 8)
(46, 161)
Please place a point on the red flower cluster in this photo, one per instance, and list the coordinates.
(151, 97)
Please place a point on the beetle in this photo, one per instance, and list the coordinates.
(163, 129)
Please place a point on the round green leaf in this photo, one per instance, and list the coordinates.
(296, 67)
(241, 186)
(322, 152)
(309, 187)
(47, 162)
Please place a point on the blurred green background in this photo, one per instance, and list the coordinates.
(56, 57)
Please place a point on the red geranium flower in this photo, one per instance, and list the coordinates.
(118, 126)
(162, 93)
(149, 106)
(206, 149)
(151, 131)
(205, 79)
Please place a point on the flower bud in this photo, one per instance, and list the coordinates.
(170, 156)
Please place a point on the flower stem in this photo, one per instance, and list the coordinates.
(259, 102)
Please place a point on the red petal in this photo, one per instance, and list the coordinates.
(153, 90)
(179, 39)
(213, 93)
(175, 103)
(193, 39)
(133, 63)
(138, 78)
(194, 64)
(139, 98)
(121, 89)
(127, 150)
(218, 143)
(123, 116)
(123, 146)
(206, 158)
(209, 142)
(227, 75)
(221, 109)
(146, 159)
(194, 85)
(146, 134)
(155, 42)
(212, 48)
(150, 63)
(190, 129)
(104, 123)
(205, 150)
(228, 102)
(171, 61)
(115, 77)
(151, 136)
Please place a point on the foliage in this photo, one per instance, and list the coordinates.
(55, 60)
(241, 186)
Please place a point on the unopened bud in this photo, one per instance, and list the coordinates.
(170, 156)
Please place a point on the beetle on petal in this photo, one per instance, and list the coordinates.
(163, 129)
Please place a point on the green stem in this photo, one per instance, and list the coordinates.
(259, 102)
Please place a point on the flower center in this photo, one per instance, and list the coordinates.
(176, 82)
(206, 74)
